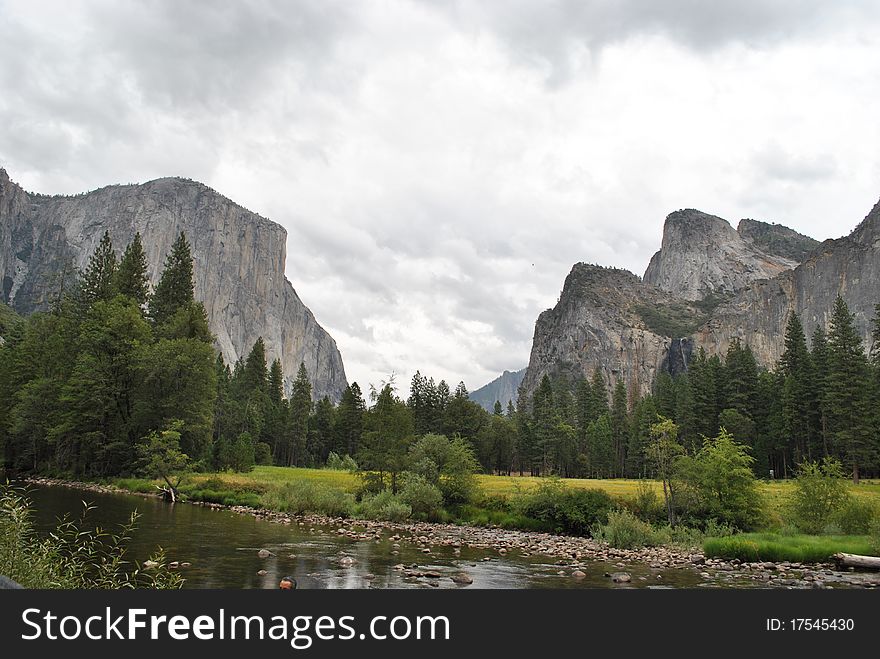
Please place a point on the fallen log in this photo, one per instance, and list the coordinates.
(854, 560)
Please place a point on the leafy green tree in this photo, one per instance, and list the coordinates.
(449, 465)
(238, 454)
(132, 280)
(819, 493)
(161, 457)
(663, 451)
(178, 380)
(721, 479)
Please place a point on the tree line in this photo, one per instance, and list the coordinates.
(115, 367)
(822, 400)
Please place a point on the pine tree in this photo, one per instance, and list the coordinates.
(847, 393)
(818, 415)
(176, 285)
(598, 395)
(349, 420)
(619, 428)
(131, 276)
(300, 410)
(797, 403)
(498, 410)
(98, 280)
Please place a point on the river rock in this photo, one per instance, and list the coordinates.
(262, 573)
(264, 553)
(347, 561)
(578, 574)
(621, 577)
(150, 565)
(462, 578)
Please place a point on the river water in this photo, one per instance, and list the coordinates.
(222, 548)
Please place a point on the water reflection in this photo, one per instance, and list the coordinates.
(223, 547)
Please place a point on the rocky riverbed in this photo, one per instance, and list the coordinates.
(572, 555)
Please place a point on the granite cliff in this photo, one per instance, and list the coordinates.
(707, 285)
(239, 263)
(703, 254)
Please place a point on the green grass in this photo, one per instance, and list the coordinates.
(776, 547)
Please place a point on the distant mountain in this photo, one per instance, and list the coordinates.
(503, 389)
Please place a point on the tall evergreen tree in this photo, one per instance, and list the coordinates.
(349, 420)
(300, 410)
(819, 416)
(131, 276)
(619, 429)
(175, 287)
(98, 280)
(847, 393)
(797, 403)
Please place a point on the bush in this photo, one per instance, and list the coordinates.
(344, 463)
(720, 483)
(626, 531)
(574, 512)
(425, 500)
(646, 504)
(450, 465)
(385, 506)
(302, 496)
(819, 495)
(855, 517)
(263, 454)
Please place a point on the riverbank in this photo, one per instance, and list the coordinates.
(571, 554)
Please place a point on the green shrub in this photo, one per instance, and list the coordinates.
(385, 506)
(422, 497)
(819, 495)
(718, 483)
(263, 454)
(341, 463)
(563, 510)
(646, 504)
(301, 496)
(626, 531)
(855, 517)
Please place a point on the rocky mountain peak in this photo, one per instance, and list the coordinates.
(703, 254)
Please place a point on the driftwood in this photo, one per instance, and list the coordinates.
(854, 560)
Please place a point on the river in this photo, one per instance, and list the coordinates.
(222, 547)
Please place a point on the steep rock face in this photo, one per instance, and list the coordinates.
(702, 254)
(239, 263)
(597, 324)
(503, 389)
(758, 314)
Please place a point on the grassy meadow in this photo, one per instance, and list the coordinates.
(297, 490)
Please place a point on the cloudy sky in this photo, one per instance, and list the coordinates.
(439, 166)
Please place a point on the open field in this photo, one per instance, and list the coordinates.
(263, 478)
